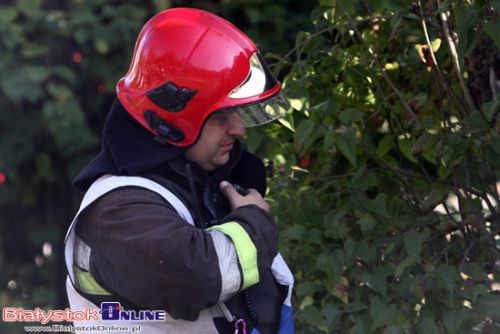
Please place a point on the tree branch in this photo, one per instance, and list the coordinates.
(454, 57)
(388, 80)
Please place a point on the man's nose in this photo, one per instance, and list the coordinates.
(237, 130)
(236, 127)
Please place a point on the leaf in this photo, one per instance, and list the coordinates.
(436, 44)
(307, 301)
(385, 145)
(453, 319)
(466, 19)
(377, 205)
(427, 325)
(391, 66)
(295, 232)
(254, 141)
(101, 45)
(495, 143)
(29, 7)
(311, 315)
(7, 14)
(409, 261)
(308, 288)
(405, 145)
(65, 122)
(436, 196)
(488, 304)
(346, 142)
(161, 5)
(475, 123)
(491, 108)
(424, 144)
(419, 100)
(492, 29)
(298, 98)
(286, 123)
(329, 140)
(377, 281)
(474, 271)
(340, 290)
(64, 73)
(324, 262)
(304, 131)
(384, 315)
(332, 314)
(349, 251)
(44, 167)
(366, 222)
(34, 49)
(454, 148)
(327, 107)
(17, 85)
(37, 74)
(446, 276)
(348, 116)
(364, 179)
(413, 242)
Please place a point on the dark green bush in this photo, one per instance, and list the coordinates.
(386, 180)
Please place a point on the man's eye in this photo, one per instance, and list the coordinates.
(220, 118)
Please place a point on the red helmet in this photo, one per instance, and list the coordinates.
(188, 64)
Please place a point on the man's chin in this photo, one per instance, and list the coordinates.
(222, 160)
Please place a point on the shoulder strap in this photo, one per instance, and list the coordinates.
(107, 183)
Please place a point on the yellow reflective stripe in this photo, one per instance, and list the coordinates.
(86, 283)
(245, 249)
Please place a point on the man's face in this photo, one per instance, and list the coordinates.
(216, 140)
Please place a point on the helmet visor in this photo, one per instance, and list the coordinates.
(262, 112)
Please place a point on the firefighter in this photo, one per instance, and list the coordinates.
(174, 217)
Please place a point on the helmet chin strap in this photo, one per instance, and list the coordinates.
(165, 131)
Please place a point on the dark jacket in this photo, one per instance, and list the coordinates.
(149, 258)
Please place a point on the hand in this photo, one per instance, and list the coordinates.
(236, 200)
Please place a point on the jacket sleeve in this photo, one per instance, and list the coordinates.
(144, 252)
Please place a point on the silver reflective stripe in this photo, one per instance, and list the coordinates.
(283, 276)
(81, 254)
(228, 265)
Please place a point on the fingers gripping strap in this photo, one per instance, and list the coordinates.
(245, 249)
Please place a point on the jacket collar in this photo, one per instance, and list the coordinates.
(126, 149)
(178, 165)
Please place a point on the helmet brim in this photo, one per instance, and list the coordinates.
(262, 112)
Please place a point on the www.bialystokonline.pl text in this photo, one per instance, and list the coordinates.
(73, 329)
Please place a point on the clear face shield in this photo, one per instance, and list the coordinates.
(258, 81)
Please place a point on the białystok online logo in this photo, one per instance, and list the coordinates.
(114, 311)
(109, 311)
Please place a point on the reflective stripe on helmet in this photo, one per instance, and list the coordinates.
(259, 79)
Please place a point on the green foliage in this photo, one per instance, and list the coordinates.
(385, 179)
(56, 81)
